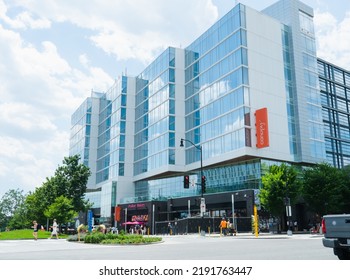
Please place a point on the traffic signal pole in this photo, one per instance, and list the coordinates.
(199, 147)
(203, 179)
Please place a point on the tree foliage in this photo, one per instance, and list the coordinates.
(326, 189)
(20, 219)
(9, 203)
(279, 182)
(69, 182)
(62, 210)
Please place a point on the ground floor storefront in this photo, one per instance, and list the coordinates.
(184, 214)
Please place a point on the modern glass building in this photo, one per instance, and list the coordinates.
(243, 95)
(335, 100)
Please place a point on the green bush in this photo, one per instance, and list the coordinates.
(94, 238)
(110, 238)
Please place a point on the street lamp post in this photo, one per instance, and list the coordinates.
(234, 219)
(202, 205)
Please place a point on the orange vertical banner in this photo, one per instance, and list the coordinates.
(262, 128)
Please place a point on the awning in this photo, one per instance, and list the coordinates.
(133, 223)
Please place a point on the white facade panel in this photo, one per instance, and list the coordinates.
(267, 83)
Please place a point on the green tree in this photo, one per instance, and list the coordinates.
(70, 180)
(20, 220)
(9, 203)
(62, 210)
(279, 182)
(36, 203)
(325, 189)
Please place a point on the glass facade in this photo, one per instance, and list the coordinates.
(94, 198)
(207, 93)
(217, 94)
(290, 87)
(311, 86)
(81, 130)
(111, 132)
(335, 98)
(155, 115)
(245, 175)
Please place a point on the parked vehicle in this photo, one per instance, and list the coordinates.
(336, 230)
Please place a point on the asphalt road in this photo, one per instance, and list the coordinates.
(191, 247)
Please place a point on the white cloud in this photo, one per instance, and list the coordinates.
(131, 29)
(333, 38)
(84, 60)
(39, 92)
(129, 46)
(23, 20)
(31, 62)
(152, 27)
(43, 77)
(24, 116)
(25, 164)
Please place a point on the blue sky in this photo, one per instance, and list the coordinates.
(53, 53)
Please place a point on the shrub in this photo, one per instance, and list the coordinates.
(110, 238)
(94, 238)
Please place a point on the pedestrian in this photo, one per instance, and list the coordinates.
(54, 229)
(169, 229)
(228, 227)
(296, 226)
(35, 232)
(223, 226)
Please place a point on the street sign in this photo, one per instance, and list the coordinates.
(257, 199)
(193, 180)
(202, 207)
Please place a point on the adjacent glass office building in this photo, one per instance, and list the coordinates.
(249, 92)
(335, 99)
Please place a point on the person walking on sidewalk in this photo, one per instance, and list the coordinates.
(35, 230)
(223, 226)
(54, 229)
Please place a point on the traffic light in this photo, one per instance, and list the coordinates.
(186, 182)
(203, 184)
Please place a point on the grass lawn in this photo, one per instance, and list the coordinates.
(26, 234)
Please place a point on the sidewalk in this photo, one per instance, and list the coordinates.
(249, 235)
